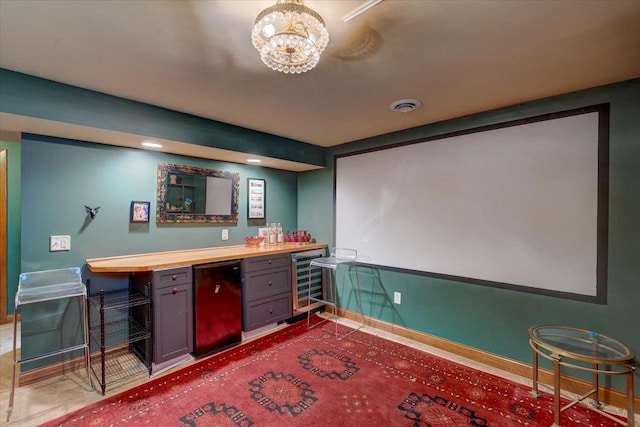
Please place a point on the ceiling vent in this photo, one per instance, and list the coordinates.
(405, 105)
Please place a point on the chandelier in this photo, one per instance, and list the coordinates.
(289, 36)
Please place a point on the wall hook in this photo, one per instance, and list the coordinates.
(92, 211)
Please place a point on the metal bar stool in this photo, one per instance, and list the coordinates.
(330, 297)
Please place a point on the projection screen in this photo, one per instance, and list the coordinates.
(522, 204)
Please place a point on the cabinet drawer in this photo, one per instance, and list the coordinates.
(264, 262)
(172, 277)
(265, 311)
(266, 283)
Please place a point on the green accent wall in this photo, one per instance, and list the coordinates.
(60, 177)
(497, 320)
(13, 220)
(31, 96)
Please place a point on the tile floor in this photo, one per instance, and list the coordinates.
(47, 399)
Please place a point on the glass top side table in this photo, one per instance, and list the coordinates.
(40, 286)
(566, 346)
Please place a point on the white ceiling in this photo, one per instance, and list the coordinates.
(195, 56)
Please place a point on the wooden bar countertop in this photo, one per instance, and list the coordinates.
(159, 260)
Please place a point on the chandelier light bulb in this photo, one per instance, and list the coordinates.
(289, 36)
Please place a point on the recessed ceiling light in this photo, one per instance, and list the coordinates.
(254, 160)
(151, 144)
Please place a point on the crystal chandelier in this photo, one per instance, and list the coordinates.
(289, 36)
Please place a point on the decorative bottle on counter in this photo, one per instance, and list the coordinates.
(267, 237)
(279, 235)
(272, 234)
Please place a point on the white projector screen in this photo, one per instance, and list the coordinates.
(514, 205)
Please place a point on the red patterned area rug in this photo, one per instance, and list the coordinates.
(307, 377)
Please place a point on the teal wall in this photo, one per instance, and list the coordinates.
(60, 177)
(496, 320)
(30, 96)
(13, 220)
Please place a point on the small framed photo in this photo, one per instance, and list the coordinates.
(256, 198)
(139, 212)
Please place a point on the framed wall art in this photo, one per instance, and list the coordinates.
(256, 198)
(139, 212)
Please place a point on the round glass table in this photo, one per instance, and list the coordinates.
(583, 350)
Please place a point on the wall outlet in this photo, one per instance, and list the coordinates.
(397, 298)
(225, 234)
(59, 243)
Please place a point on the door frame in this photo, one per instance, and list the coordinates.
(3, 236)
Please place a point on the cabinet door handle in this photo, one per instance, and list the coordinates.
(269, 261)
(270, 311)
(174, 277)
(269, 282)
(175, 291)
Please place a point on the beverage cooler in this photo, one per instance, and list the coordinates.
(300, 279)
(217, 307)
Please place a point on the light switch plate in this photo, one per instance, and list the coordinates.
(59, 243)
(225, 234)
(397, 298)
